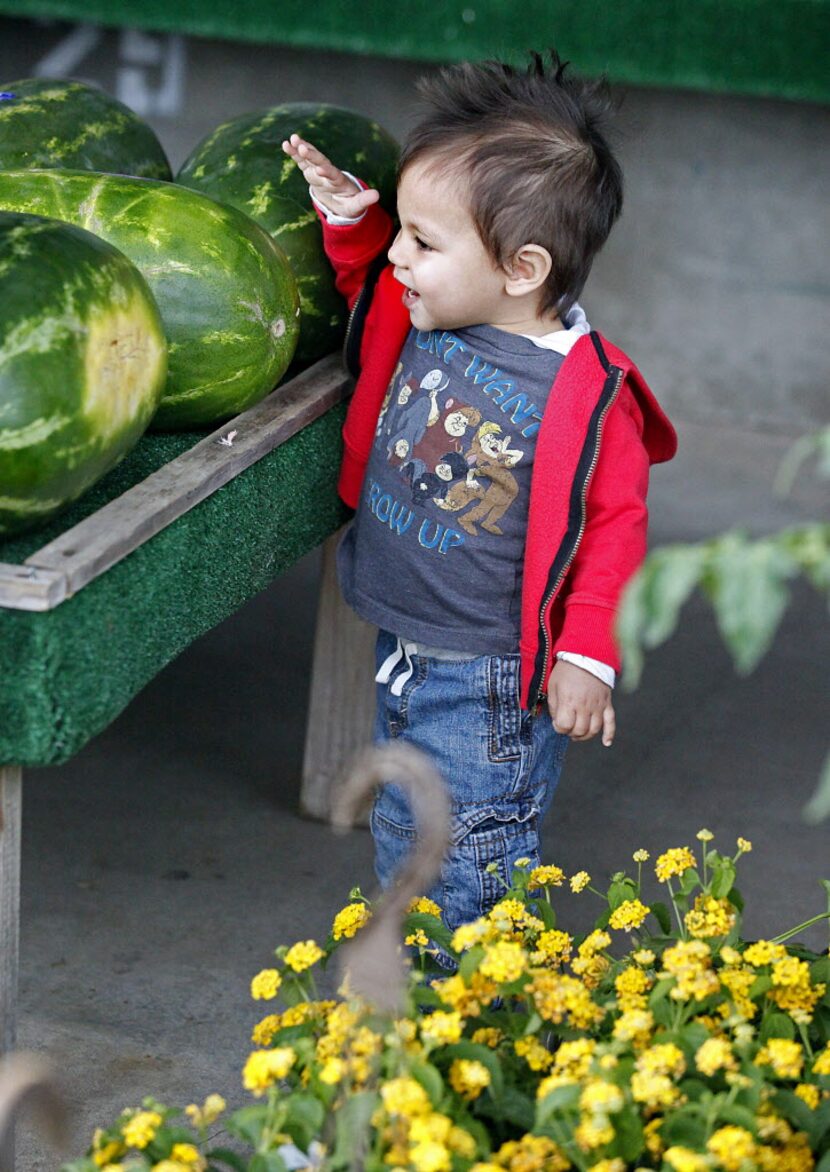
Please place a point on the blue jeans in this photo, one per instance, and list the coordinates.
(501, 766)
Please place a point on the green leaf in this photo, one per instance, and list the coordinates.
(660, 992)
(794, 1109)
(684, 1128)
(517, 1108)
(620, 891)
(470, 960)
(739, 1116)
(629, 1141)
(777, 1025)
(248, 1122)
(429, 1078)
(689, 880)
(267, 1162)
(433, 928)
(352, 1124)
(559, 1101)
(723, 878)
(662, 915)
(746, 583)
(546, 914)
(225, 1156)
(304, 1119)
(652, 601)
(736, 899)
(818, 807)
(824, 1163)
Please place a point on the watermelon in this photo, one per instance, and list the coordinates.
(242, 164)
(225, 290)
(66, 124)
(83, 361)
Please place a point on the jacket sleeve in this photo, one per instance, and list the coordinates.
(351, 248)
(613, 543)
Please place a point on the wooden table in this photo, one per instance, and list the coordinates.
(240, 506)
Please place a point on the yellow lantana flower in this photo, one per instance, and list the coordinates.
(349, 920)
(732, 1146)
(404, 1096)
(189, 1155)
(547, 876)
(424, 905)
(141, 1128)
(504, 961)
(443, 1028)
(579, 881)
(266, 984)
(629, 915)
(710, 917)
(673, 862)
(265, 1067)
(303, 955)
(469, 1078)
(713, 1055)
(208, 1113)
(784, 1056)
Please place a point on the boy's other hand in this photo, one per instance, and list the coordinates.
(338, 194)
(580, 704)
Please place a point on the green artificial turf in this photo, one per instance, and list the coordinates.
(67, 673)
(769, 47)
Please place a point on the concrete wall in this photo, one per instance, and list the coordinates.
(716, 278)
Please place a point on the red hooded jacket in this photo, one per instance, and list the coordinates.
(586, 532)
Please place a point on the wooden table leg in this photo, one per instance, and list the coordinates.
(11, 789)
(342, 701)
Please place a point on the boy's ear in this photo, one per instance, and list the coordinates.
(528, 270)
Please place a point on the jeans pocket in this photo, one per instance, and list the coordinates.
(504, 712)
(477, 871)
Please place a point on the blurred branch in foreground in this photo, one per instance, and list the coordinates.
(745, 580)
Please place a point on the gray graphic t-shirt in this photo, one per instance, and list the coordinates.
(436, 548)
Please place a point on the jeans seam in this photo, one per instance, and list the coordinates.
(503, 713)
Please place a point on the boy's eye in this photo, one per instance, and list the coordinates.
(422, 244)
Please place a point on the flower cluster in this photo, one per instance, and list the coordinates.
(658, 1040)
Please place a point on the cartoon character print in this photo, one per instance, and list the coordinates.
(489, 459)
(444, 434)
(435, 485)
(387, 399)
(412, 414)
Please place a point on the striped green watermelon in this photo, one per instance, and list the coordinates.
(66, 124)
(225, 290)
(83, 361)
(242, 163)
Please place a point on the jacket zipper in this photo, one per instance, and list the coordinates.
(554, 589)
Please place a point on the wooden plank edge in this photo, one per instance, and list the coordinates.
(67, 564)
(31, 587)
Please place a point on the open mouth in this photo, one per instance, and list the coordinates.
(410, 298)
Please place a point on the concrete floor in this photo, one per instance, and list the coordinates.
(165, 862)
(162, 865)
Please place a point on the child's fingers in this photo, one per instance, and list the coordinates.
(609, 726)
(314, 164)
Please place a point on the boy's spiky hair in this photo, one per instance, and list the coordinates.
(530, 148)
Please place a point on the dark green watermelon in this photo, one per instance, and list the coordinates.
(225, 290)
(83, 361)
(66, 124)
(242, 163)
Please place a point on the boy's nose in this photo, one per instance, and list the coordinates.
(395, 252)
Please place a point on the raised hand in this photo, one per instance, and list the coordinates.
(333, 189)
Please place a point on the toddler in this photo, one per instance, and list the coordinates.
(497, 452)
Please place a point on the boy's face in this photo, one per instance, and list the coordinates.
(451, 280)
